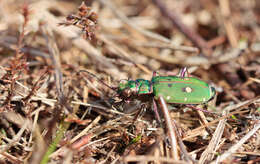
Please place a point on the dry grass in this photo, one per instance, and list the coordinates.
(52, 113)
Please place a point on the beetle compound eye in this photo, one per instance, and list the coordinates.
(126, 92)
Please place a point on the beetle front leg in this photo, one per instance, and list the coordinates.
(140, 112)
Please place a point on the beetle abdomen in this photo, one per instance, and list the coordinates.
(187, 90)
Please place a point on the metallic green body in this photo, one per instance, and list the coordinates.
(127, 84)
(144, 86)
(139, 86)
(174, 89)
(187, 90)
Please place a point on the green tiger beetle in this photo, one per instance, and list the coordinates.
(180, 89)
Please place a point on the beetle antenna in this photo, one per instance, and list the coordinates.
(99, 80)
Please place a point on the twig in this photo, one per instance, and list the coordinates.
(83, 132)
(121, 15)
(186, 155)
(72, 33)
(192, 60)
(123, 53)
(18, 63)
(225, 12)
(193, 36)
(16, 138)
(12, 158)
(35, 87)
(55, 56)
(170, 127)
(25, 13)
(168, 46)
(208, 154)
(234, 80)
(9, 43)
(229, 108)
(145, 158)
(234, 148)
(149, 34)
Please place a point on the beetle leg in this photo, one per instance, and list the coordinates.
(137, 85)
(151, 88)
(155, 109)
(127, 101)
(183, 72)
(141, 111)
(199, 109)
(154, 73)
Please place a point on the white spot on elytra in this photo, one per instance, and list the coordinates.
(204, 99)
(185, 99)
(188, 89)
(168, 97)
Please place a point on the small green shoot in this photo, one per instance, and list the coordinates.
(135, 140)
(52, 147)
(234, 117)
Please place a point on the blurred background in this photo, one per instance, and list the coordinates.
(45, 43)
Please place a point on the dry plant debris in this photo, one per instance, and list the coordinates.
(52, 113)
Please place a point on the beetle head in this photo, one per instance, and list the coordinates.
(127, 88)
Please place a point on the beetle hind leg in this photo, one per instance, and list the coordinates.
(199, 109)
(183, 72)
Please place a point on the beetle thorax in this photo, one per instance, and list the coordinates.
(134, 88)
